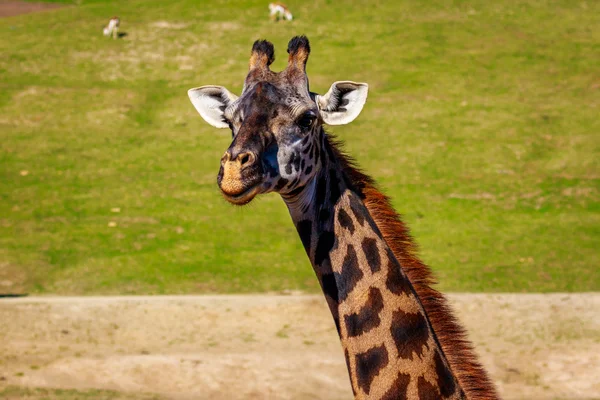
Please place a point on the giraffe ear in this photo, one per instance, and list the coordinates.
(211, 102)
(343, 102)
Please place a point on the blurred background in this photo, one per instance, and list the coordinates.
(481, 124)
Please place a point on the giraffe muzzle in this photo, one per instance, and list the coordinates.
(240, 177)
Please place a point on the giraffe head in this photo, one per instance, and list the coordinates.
(276, 123)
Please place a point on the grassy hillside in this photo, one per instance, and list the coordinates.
(482, 124)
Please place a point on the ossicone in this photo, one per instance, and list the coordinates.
(298, 50)
(263, 54)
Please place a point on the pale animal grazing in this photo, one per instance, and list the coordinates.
(279, 11)
(398, 334)
(112, 29)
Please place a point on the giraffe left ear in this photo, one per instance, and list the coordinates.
(343, 102)
(211, 102)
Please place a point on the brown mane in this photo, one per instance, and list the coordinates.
(459, 352)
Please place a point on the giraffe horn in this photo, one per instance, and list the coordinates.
(263, 55)
(298, 50)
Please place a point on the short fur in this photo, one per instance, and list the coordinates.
(298, 50)
(263, 48)
(459, 352)
(298, 42)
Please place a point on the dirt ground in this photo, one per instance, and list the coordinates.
(8, 8)
(276, 347)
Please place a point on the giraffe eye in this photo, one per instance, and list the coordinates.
(306, 120)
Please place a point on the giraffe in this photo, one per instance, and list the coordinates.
(398, 334)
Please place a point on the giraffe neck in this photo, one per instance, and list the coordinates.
(390, 347)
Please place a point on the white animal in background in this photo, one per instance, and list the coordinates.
(113, 27)
(279, 11)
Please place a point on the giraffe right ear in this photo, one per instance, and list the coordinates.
(211, 102)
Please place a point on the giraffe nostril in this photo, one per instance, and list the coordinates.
(246, 159)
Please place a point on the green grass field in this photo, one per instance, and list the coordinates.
(482, 123)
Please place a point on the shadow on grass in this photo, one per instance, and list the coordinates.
(12, 295)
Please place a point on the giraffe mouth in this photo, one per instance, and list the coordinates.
(242, 198)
